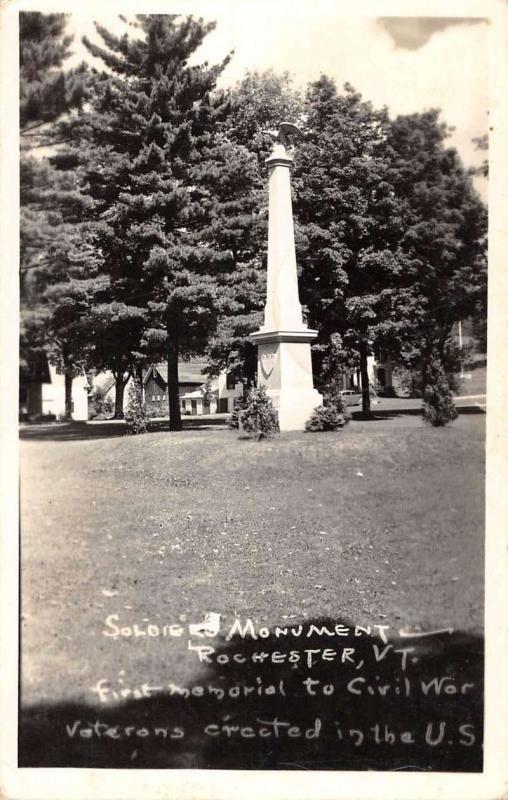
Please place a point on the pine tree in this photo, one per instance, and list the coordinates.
(136, 415)
(257, 416)
(46, 93)
(230, 232)
(140, 149)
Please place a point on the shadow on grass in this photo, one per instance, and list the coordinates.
(80, 431)
(391, 413)
(260, 714)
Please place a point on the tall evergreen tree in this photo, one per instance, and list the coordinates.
(46, 90)
(140, 149)
(230, 226)
(46, 93)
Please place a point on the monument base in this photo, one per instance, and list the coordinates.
(294, 408)
(285, 370)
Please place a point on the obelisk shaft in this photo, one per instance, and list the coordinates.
(283, 310)
(284, 357)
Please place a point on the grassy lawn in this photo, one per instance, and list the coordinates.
(379, 523)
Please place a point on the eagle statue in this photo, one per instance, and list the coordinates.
(285, 129)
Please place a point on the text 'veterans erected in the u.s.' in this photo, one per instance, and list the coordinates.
(299, 695)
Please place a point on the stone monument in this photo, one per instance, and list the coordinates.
(284, 360)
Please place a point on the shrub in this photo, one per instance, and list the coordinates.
(258, 416)
(325, 418)
(438, 407)
(333, 399)
(234, 418)
(99, 405)
(152, 411)
(135, 414)
(409, 381)
(387, 391)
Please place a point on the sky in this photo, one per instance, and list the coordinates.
(406, 63)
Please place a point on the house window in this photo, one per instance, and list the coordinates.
(158, 398)
(230, 381)
(153, 398)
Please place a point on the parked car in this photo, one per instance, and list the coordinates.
(352, 397)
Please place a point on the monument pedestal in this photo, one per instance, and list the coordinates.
(285, 369)
(284, 359)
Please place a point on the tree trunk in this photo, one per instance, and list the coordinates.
(365, 378)
(119, 394)
(68, 378)
(251, 366)
(175, 419)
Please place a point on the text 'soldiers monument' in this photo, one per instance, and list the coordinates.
(284, 360)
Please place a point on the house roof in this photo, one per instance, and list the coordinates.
(214, 391)
(188, 372)
(104, 381)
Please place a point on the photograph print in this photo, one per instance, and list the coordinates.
(252, 390)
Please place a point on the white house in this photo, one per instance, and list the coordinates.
(44, 395)
(379, 370)
(216, 398)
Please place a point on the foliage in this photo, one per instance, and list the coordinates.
(481, 143)
(325, 418)
(258, 416)
(438, 407)
(348, 228)
(409, 381)
(333, 399)
(145, 235)
(98, 404)
(234, 417)
(46, 91)
(135, 415)
(50, 203)
(412, 375)
(208, 395)
(391, 234)
(479, 330)
(260, 101)
(444, 239)
(150, 156)
(257, 102)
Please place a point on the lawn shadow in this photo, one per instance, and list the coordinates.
(249, 704)
(81, 431)
(392, 413)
